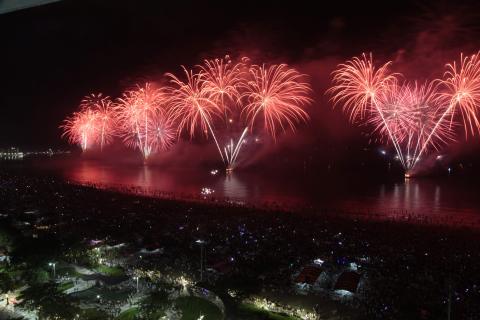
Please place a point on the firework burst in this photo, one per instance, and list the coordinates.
(138, 111)
(105, 121)
(462, 91)
(410, 112)
(358, 83)
(162, 132)
(192, 103)
(278, 94)
(150, 119)
(410, 116)
(222, 79)
(81, 128)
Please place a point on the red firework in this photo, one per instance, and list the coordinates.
(411, 116)
(462, 91)
(138, 111)
(222, 79)
(149, 119)
(105, 123)
(410, 113)
(193, 103)
(425, 114)
(358, 83)
(162, 132)
(80, 128)
(278, 94)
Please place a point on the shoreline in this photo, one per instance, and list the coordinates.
(298, 208)
(426, 215)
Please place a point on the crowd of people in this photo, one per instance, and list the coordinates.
(410, 270)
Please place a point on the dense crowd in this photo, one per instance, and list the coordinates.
(410, 270)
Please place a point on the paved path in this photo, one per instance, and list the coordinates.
(80, 285)
(83, 270)
(10, 313)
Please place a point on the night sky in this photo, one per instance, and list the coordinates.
(53, 55)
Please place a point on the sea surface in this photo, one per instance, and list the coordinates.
(445, 200)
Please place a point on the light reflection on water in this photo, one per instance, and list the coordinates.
(421, 198)
(233, 188)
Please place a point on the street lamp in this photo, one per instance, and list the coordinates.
(202, 256)
(136, 278)
(52, 264)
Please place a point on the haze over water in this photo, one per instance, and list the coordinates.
(444, 200)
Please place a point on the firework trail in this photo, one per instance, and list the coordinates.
(80, 128)
(193, 105)
(138, 112)
(150, 119)
(410, 113)
(223, 79)
(232, 150)
(461, 91)
(358, 84)
(105, 123)
(462, 86)
(162, 132)
(410, 116)
(395, 113)
(278, 94)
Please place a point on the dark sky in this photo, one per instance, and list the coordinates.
(53, 55)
